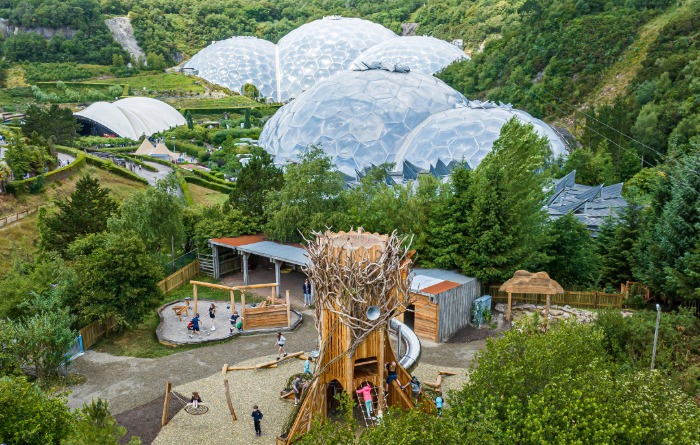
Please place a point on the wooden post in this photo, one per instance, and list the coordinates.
(228, 400)
(272, 294)
(244, 325)
(233, 301)
(595, 301)
(289, 311)
(508, 309)
(194, 294)
(164, 419)
(380, 370)
(546, 311)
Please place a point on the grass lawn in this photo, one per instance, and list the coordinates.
(159, 82)
(20, 239)
(214, 102)
(206, 197)
(120, 187)
(141, 340)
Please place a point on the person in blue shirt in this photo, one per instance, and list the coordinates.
(307, 366)
(195, 326)
(439, 402)
(306, 288)
(257, 416)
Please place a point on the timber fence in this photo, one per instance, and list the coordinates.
(95, 331)
(180, 278)
(590, 299)
(7, 220)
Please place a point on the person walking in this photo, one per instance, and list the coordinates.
(307, 365)
(195, 326)
(257, 416)
(438, 403)
(296, 387)
(212, 316)
(280, 343)
(307, 292)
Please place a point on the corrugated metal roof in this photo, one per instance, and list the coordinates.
(442, 275)
(277, 251)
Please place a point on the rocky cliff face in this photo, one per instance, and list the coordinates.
(123, 33)
(409, 29)
(7, 29)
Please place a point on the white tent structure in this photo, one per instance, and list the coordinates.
(132, 117)
(157, 151)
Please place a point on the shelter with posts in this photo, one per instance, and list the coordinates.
(361, 283)
(441, 303)
(236, 253)
(524, 282)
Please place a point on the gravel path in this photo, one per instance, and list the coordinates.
(260, 388)
(128, 382)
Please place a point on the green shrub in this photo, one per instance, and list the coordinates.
(210, 185)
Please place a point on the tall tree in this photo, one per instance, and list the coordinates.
(118, 277)
(572, 260)
(504, 228)
(615, 246)
(55, 122)
(85, 212)
(310, 198)
(155, 215)
(256, 179)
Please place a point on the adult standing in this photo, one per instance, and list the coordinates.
(307, 292)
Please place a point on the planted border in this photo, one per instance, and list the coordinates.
(24, 185)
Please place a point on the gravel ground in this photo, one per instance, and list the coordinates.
(260, 388)
(248, 388)
(174, 330)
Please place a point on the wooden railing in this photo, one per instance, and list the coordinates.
(180, 278)
(7, 220)
(590, 299)
(95, 331)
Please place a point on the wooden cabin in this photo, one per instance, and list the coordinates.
(442, 303)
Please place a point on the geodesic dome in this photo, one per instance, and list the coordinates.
(236, 61)
(426, 55)
(360, 118)
(466, 134)
(317, 50)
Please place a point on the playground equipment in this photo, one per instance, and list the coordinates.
(274, 313)
(361, 283)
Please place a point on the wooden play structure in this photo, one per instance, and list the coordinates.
(361, 282)
(524, 282)
(272, 313)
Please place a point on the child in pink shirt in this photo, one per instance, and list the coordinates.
(366, 393)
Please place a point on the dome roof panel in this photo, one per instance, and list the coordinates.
(350, 113)
(426, 55)
(473, 132)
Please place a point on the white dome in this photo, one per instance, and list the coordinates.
(466, 134)
(360, 118)
(426, 55)
(319, 49)
(133, 117)
(237, 61)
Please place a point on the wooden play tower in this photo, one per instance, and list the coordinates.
(353, 273)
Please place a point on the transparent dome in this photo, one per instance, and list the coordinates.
(360, 118)
(319, 49)
(236, 61)
(466, 134)
(426, 55)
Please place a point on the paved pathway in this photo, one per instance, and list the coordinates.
(153, 177)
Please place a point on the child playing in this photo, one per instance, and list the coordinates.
(297, 388)
(257, 417)
(307, 366)
(366, 393)
(280, 342)
(195, 400)
(391, 369)
(438, 403)
(195, 325)
(212, 316)
(236, 322)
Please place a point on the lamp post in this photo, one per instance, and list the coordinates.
(656, 335)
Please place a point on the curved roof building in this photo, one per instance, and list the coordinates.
(360, 118)
(465, 134)
(317, 50)
(237, 61)
(130, 118)
(426, 55)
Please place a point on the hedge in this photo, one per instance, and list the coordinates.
(210, 185)
(183, 186)
(105, 165)
(24, 185)
(152, 159)
(133, 159)
(211, 178)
